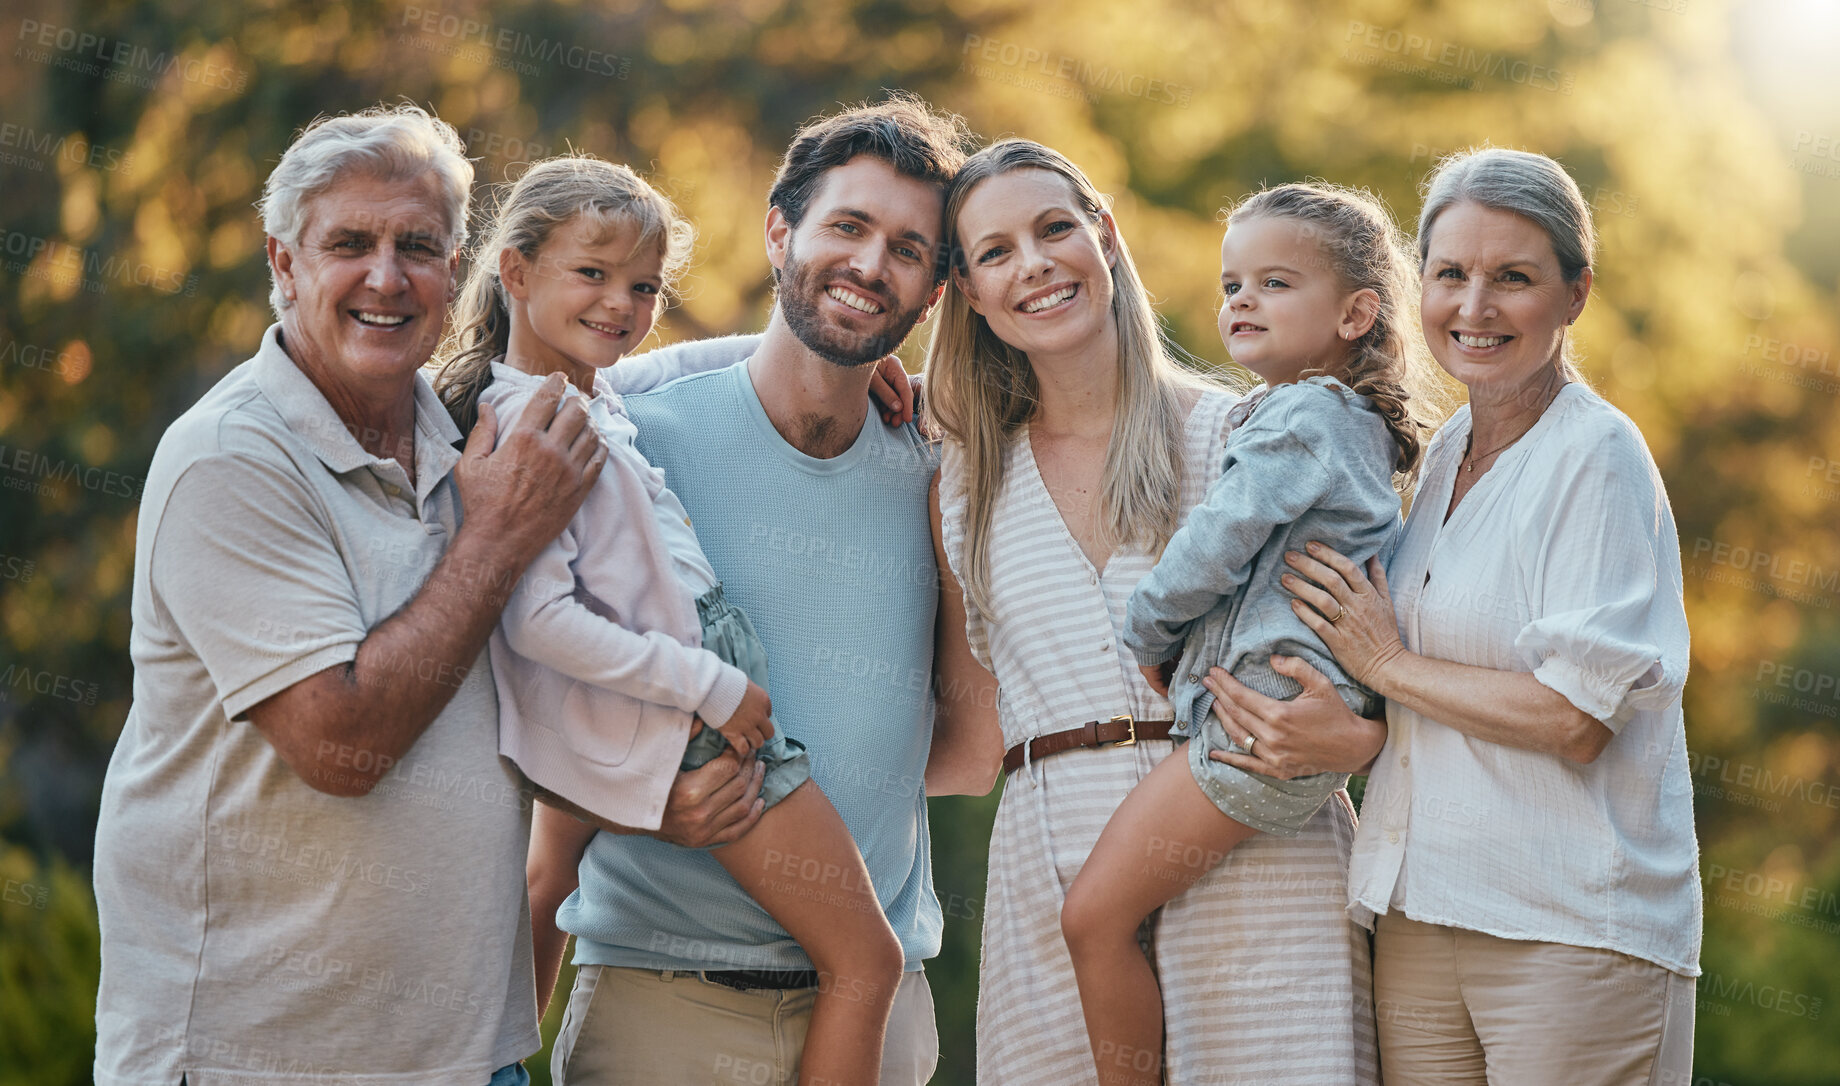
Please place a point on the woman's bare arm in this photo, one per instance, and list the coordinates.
(967, 752)
(1508, 707)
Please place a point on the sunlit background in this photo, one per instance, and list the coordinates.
(1706, 134)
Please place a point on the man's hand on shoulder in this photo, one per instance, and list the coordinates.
(522, 489)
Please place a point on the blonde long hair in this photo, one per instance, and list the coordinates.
(551, 193)
(981, 391)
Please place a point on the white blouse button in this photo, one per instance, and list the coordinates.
(1392, 837)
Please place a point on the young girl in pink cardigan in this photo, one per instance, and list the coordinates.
(618, 661)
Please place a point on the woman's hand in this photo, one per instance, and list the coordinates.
(1315, 732)
(1352, 615)
(894, 392)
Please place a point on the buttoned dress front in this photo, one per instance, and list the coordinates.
(1264, 977)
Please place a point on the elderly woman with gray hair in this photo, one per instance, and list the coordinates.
(1526, 852)
(306, 828)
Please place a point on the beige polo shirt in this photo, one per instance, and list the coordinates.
(254, 929)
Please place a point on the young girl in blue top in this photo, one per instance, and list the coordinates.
(1317, 301)
(618, 661)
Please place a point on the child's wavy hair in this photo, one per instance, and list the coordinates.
(550, 193)
(1389, 364)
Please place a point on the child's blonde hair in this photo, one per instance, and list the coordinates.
(551, 193)
(1389, 364)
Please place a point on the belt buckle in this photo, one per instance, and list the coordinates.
(1130, 726)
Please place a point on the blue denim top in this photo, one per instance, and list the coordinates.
(1306, 461)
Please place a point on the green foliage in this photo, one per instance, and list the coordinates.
(48, 971)
(961, 842)
(132, 278)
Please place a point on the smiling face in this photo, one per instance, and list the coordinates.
(587, 298)
(1494, 301)
(1283, 307)
(1037, 268)
(856, 274)
(368, 281)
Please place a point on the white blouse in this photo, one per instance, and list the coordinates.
(1562, 561)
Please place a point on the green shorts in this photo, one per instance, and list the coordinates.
(728, 633)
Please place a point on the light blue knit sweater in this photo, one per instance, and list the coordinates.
(833, 562)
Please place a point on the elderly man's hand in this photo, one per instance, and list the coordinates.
(522, 489)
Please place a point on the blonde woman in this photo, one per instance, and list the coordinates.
(1074, 445)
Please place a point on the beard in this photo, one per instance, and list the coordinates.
(801, 287)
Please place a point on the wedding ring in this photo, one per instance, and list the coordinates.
(1337, 617)
(1250, 739)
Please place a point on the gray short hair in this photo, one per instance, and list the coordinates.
(397, 142)
(1529, 185)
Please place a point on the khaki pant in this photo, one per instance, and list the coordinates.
(1457, 1006)
(641, 1027)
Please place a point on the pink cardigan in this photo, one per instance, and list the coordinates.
(597, 657)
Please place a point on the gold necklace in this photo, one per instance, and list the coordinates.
(1469, 461)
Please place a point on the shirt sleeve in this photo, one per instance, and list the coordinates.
(1611, 631)
(644, 372)
(546, 621)
(245, 571)
(1271, 477)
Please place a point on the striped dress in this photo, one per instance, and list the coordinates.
(1264, 977)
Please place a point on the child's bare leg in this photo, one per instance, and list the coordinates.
(1163, 837)
(800, 863)
(551, 874)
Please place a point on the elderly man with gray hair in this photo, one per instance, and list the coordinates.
(310, 857)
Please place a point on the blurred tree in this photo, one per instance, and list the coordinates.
(48, 970)
(134, 138)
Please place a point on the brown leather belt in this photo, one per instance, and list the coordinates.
(1120, 730)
